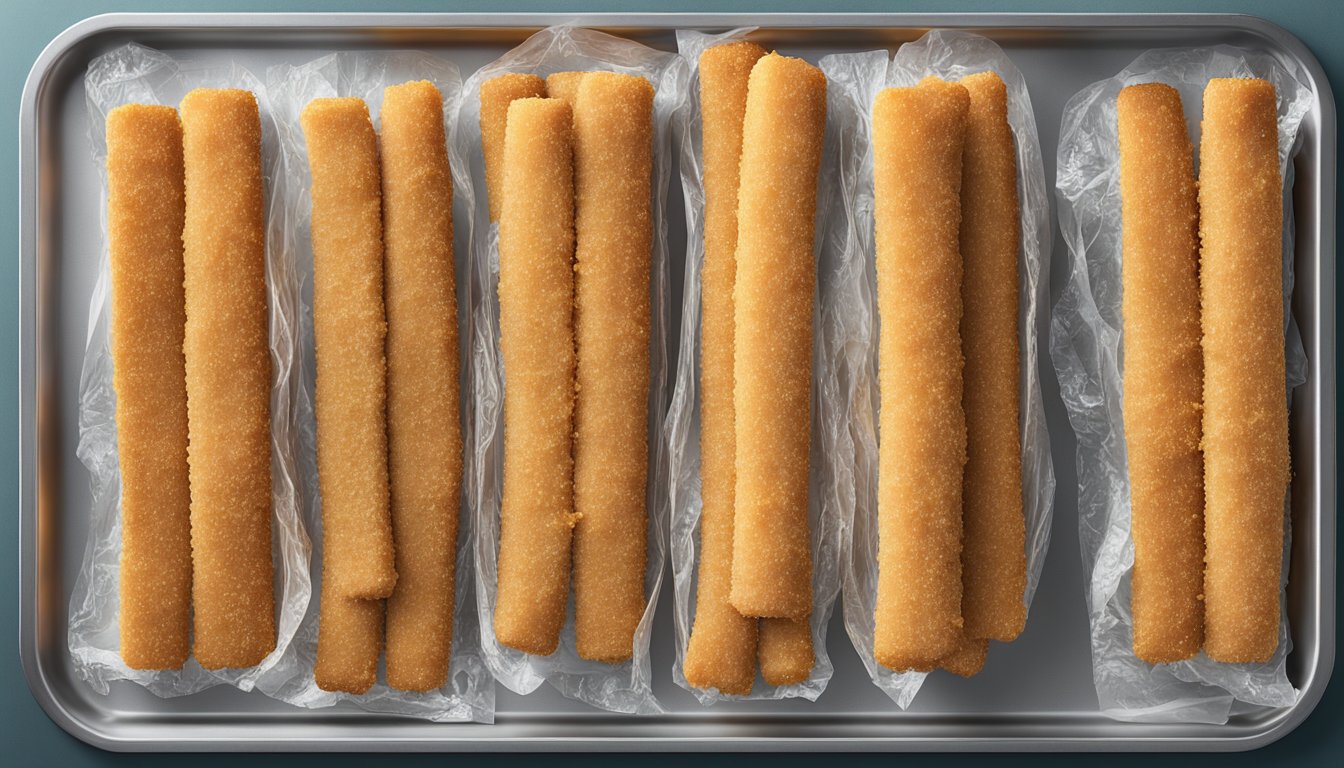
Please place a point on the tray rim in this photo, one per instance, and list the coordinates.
(1320, 387)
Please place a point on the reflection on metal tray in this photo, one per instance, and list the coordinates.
(1034, 694)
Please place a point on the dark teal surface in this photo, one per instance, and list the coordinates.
(27, 737)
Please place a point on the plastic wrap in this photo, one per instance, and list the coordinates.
(856, 80)
(616, 687)
(469, 693)
(830, 489)
(1086, 347)
(136, 74)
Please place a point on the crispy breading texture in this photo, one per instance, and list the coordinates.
(424, 431)
(228, 367)
(968, 659)
(497, 94)
(613, 181)
(349, 642)
(786, 655)
(564, 86)
(918, 138)
(722, 649)
(1246, 462)
(782, 134)
(145, 210)
(536, 301)
(1164, 372)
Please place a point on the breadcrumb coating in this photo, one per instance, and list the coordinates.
(786, 650)
(497, 94)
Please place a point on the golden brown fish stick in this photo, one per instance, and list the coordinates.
(564, 86)
(536, 339)
(968, 659)
(786, 650)
(1164, 372)
(144, 219)
(722, 649)
(228, 364)
(424, 464)
(993, 555)
(349, 641)
(497, 94)
(349, 328)
(918, 137)
(1246, 463)
(782, 134)
(613, 184)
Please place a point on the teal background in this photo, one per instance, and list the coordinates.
(27, 737)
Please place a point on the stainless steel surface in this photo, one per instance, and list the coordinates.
(1034, 694)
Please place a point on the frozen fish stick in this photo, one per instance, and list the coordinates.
(349, 641)
(564, 86)
(969, 658)
(228, 365)
(722, 649)
(1246, 463)
(782, 134)
(613, 178)
(536, 301)
(424, 465)
(497, 94)
(1164, 372)
(786, 650)
(144, 217)
(993, 555)
(918, 136)
(349, 328)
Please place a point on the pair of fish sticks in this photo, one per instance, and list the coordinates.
(1206, 421)
(952, 562)
(1207, 527)
(385, 322)
(192, 371)
(575, 254)
(763, 126)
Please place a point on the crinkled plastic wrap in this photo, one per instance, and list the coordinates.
(136, 74)
(469, 694)
(1085, 345)
(856, 80)
(830, 487)
(616, 687)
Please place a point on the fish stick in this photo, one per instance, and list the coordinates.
(564, 86)
(782, 133)
(497, 94)
(424, 465)
(918, 137)
(144, 217)
(349, 641)
(968, 659)
(1164, 372)
(994, 554)
(786, 650)
(722, 650)
(613, 185)
(228, 365)
(349, 329)
(536, 339)
(1246, 462)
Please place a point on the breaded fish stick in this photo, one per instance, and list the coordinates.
(424, 464)
(968, 659)
(918, 136)
(228, 364)
(613, 183)
(536, 339)
(349, 328)
(786, 650)
(497, 94)
(564, 86)
(144, 219)
(993, 554)
(349, 641)
(722, 649)
(1164, 372)
(782, 133)
(1246, 462)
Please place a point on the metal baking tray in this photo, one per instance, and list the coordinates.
(1035, 694)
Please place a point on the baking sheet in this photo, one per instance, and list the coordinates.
(1034, 694)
